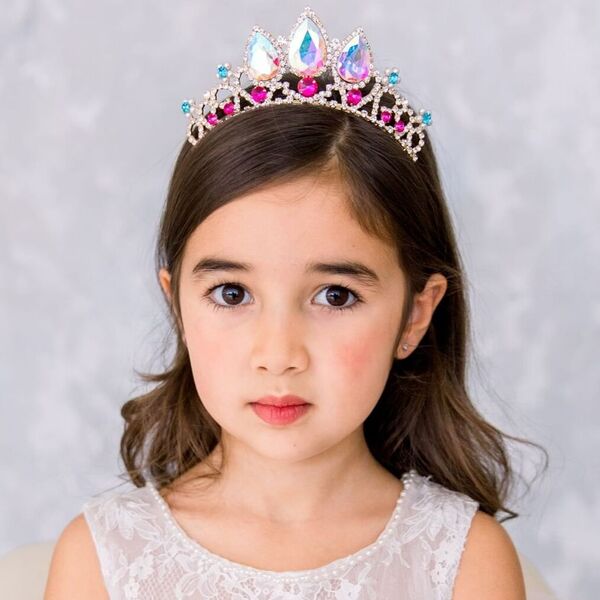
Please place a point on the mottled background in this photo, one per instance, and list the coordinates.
(90, 127)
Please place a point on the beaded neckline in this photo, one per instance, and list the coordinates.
(333, 568)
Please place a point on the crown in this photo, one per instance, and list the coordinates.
(306, 54)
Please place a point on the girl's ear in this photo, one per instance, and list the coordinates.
(165, 281)
(424, 305)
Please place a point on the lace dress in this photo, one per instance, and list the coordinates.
(145, 554)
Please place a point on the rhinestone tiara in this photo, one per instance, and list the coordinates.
(307, 53)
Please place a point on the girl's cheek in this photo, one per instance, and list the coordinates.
(356, 356)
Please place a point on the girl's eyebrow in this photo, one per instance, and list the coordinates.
(357, 270)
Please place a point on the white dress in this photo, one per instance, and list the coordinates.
(145, 554)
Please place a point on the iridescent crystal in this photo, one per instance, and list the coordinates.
(354, 59)
(308, 49)
(263, 60)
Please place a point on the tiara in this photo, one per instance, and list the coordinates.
(308, 53)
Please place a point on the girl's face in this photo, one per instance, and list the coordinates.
(285, 326)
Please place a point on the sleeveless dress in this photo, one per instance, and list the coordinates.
(145, 554)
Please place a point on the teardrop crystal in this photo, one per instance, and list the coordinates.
(263, 60)
(354, 60)
(308, 49)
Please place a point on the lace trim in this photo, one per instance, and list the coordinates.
(334, 568)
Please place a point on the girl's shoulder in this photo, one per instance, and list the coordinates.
(120, 498)
(122, 513)
(123, 524)
(81, 559)
(489, 562)
(74, 570)
(441, 518)
(431, 498)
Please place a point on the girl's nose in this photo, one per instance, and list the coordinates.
(279, 344)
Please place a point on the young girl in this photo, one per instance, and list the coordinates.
(313, 436)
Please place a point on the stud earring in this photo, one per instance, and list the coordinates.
(405, 347)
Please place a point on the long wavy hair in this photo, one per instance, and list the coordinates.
(424, 419)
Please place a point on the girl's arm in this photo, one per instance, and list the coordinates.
(74, 568)
(489, 567)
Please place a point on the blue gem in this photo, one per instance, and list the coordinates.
(393, 77)
(426, 118)
(222, 71)
(185, 107)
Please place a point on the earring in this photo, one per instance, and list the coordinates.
(405, 346)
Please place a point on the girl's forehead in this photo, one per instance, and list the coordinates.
(289, 227)
(308, 211)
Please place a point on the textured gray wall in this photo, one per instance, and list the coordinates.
(90, 127)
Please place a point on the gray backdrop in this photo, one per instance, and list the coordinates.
(90, 127)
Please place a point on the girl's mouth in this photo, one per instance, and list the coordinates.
(280, 415)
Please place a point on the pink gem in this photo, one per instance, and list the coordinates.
(354, 96)
(308, 86)
(399, 126)
(212, 118)
(229, 108)
(259, 94)
(386, 115)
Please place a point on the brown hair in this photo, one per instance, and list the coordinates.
(424, 419)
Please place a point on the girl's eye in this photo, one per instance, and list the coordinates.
(337, 294)
(231, 290)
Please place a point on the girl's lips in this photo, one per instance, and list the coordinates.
(287, 400)
(279, 415)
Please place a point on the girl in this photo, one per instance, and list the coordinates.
(313, 436)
